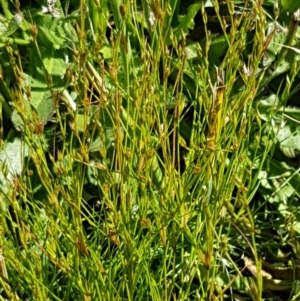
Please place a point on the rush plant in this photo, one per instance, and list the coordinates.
(149, 150)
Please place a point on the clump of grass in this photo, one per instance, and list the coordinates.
(145, 190)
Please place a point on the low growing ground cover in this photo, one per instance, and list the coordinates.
(149, 150)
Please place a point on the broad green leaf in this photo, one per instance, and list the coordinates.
(186, 22)
(238, 284)
(290, 5)
(291, 48)
(14, 24)
(70, 32)
(191, 51)
(99, 145)
(266, 2)
(41, 97)
(157, 173)
(49, 37)
(278, 169)
(17, 119)
(282, 68)
(106, 52)
(3, 29)
(285, 193)
(286, 212)
(43, 104)
(12, 156)
(267, 107)
(57, 32)
(289, 139)
(55, 66)
(81, 123)
(274, 47)
(292, 114)
(217, 48)
(208, 3)
(296, 227)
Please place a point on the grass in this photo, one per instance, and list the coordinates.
(156, 167)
